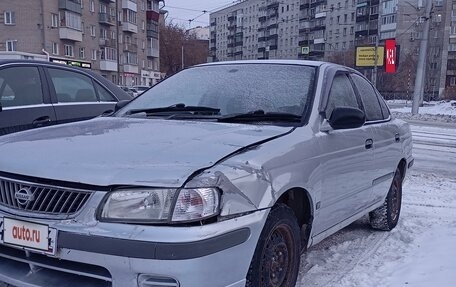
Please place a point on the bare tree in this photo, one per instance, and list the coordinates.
(173, 40)
(346, 58)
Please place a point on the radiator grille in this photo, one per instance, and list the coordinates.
(41, 199)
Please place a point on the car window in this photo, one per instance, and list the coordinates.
(20, 86)
(235, 89)
(385, 110)
(369, 98)
(103, 94)
(72, 87)
(341, 94)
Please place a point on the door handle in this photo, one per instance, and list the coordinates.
(108, 112)
(41, 121)
(397, 138)
(369, 143)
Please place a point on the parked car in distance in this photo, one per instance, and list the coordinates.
(220, 175)
(36, 94)
(140, 89)
(127, 90)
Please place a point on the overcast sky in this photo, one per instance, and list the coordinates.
(180, 11)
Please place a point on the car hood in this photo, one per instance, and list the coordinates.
(126, 151)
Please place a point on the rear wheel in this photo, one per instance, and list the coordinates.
(277, 255)
(387, 216)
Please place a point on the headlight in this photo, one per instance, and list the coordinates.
(161, 205)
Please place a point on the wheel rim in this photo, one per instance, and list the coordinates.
(277, 256)
(395, 199)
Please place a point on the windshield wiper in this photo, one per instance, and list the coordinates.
(175, 108)
(261, 116)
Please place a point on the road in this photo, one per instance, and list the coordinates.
(357, 256)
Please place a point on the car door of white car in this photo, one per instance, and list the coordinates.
(386, 137)
(347, 162)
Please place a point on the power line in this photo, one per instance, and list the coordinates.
(203, 12)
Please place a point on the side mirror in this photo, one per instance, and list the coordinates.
(121, 104)
(346, 118)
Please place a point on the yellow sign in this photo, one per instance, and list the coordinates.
(365, 56)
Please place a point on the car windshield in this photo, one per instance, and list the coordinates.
(232, 89)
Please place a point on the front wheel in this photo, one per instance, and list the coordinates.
(277, 255)
(387, 216)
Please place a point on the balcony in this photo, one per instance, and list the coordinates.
(231, 18)
(108, 1)
(152, 16)
(70, 34)
(106, 65)
(73, 6)
(105, 18)
(128, 4)
(320, 15)
(274, 5)
(107, 42)
(153, 52)
(130, 47)
(152, 34)
(129, 27)
(130, 68)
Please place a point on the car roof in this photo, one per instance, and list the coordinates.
(119, 93)
(287, 62)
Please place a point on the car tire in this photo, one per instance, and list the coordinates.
(387, 216)
(276, 259)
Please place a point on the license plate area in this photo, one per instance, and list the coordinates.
(28, 235)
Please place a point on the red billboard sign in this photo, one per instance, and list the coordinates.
(391, 57)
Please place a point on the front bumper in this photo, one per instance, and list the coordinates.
(120, 255)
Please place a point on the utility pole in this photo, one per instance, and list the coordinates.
(421, 68)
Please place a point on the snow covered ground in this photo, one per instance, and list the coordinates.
(431, 111)
(419, 252)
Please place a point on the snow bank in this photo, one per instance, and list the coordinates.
(432, 111)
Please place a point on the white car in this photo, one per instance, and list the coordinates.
(220, 175)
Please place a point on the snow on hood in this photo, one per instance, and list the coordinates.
(124, 151)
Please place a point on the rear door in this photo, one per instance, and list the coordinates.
(24, 98)
(77, 96)
(386, 138)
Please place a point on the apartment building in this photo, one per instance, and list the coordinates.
(117, 38)
(255, 29)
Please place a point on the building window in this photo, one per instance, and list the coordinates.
(55, 48)
(129, 16)
(69, 50)
(453, 81)
(108, 54)
(70, 20)
(103, 33)
(103, 9)
(11, 45)
(82, 53)
(94, 55)
(54, 20)
(10, 17)
(92, 30)
(92, 6)
(130, 59)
